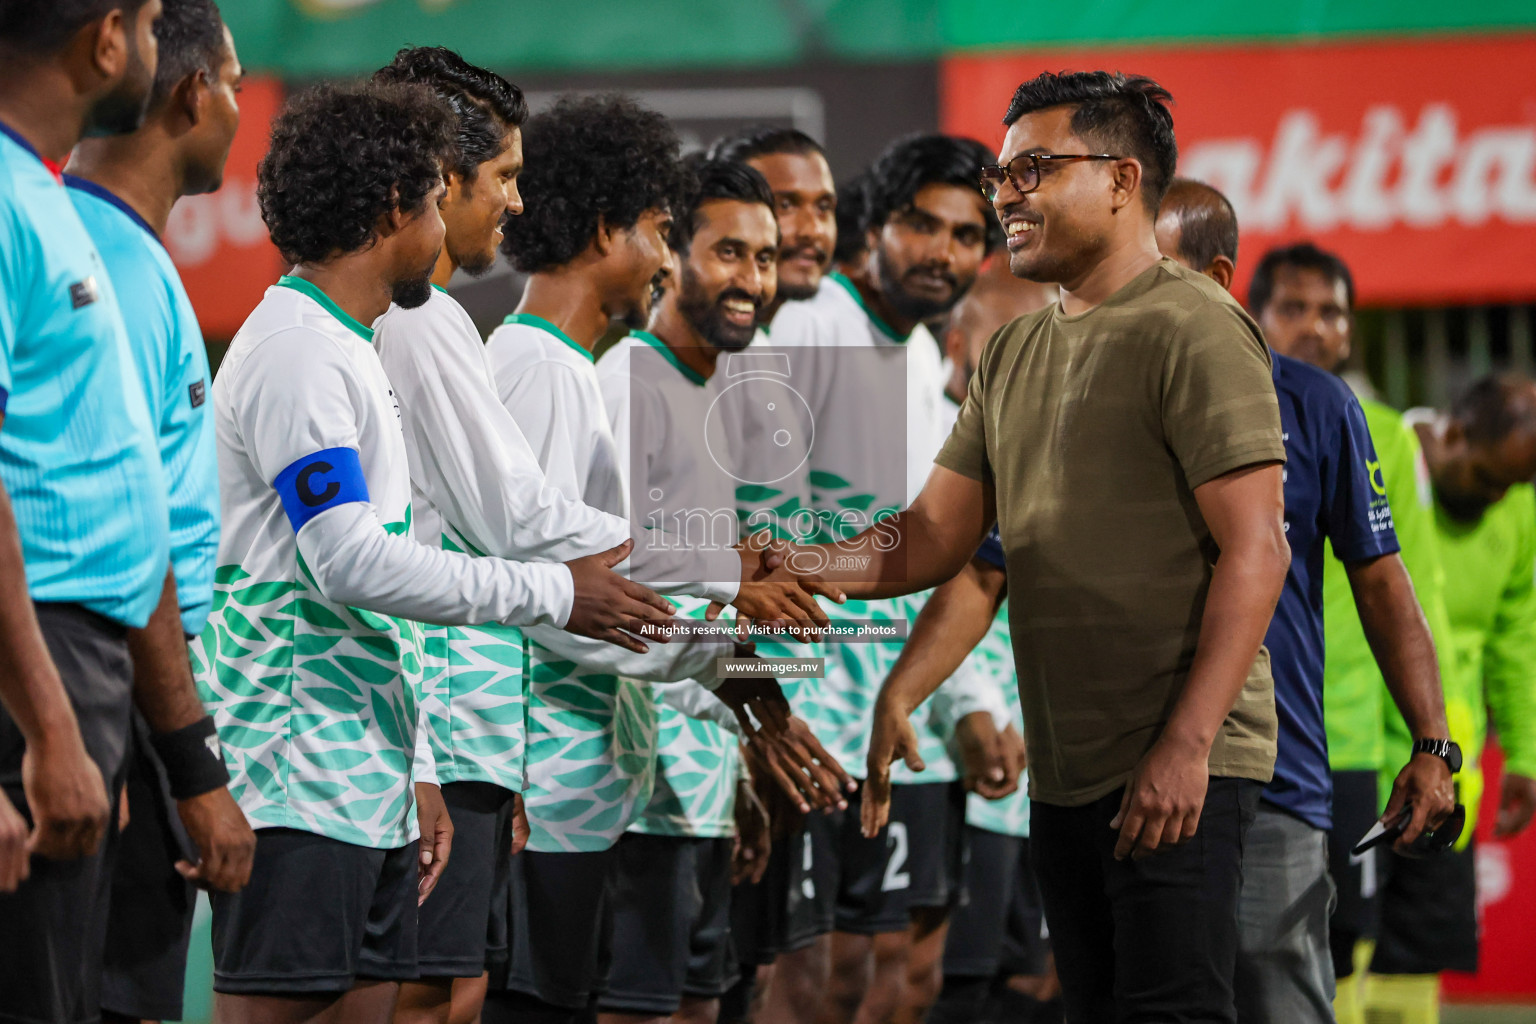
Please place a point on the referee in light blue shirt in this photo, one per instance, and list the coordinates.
(80, 469)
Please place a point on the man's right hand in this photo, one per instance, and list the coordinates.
(806, 774)
(891, 739)
(67, 797)
(14, 862)
(609, 607)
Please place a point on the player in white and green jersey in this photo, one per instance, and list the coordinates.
(311, 658)
(850, 348)
(671, 887)
(602, 175)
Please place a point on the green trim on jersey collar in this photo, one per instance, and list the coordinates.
(529, 320)
(304, 287)
(439, 287)
(656, 343)
(853, 290)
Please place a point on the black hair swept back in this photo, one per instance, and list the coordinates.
(763, 140)
(913, 162)
(342, 157)
(1301, 256)
(1123, 115)
(710, 181)
(590, 159)
(42, 27)
(190, 37)
(486, 105)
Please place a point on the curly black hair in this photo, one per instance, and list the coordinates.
(33, 28)
(710, 180)
(487, 106)
(589, 157)
(342, 157)
(913, 162)
(190, 37)
(1123, 115)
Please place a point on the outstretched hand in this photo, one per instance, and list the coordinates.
(893, 738)
(803, 770)
(774, 595)
(609, 607)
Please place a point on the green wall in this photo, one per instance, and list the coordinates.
(298, 38)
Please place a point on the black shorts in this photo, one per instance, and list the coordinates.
(462, 928)
(856, 885)
(317, 916)
(974, 946)
(775, 915)
(558, 914)
(1356, 879)
(1027, 937)
(53, 928)
(669, 898)
(1428, 914)
(144, 971)
(928, 822)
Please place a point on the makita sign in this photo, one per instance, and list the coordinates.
(1415, 160)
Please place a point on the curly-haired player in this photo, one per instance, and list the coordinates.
(601, 182)
(319, 699)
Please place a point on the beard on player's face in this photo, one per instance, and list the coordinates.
(415, 290)
(709, 316)
(942, 288)
(122, 110)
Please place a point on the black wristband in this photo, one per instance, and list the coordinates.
(193, 759)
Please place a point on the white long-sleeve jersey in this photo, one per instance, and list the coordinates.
(592, 725)
(476, 487)
(312, 662)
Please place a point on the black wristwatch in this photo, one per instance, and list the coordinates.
(1446, 750)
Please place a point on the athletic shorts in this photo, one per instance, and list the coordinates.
(974, 946)
(928, 820)
(1027, 939)
(856, 885)
(1356, 879)
(558, 914)
(317, 916)
(462, 927)
(775, 915)
(1428, 914)
(53, 928)
(669, 898)
(144, 972)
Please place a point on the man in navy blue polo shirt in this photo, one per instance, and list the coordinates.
(1284, 967)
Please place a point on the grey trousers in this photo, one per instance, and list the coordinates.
(1284, 966)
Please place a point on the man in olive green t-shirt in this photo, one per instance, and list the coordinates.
(1127, 442)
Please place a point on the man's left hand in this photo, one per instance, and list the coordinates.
(1425, 783)
(1163, 799)
(226, 846)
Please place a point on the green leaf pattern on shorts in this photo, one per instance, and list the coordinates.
(591, 754)
(315, 704)
(1010, 815)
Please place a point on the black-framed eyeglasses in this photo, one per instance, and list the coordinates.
(1023, 171)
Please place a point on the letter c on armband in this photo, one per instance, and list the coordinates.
(320, 481)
